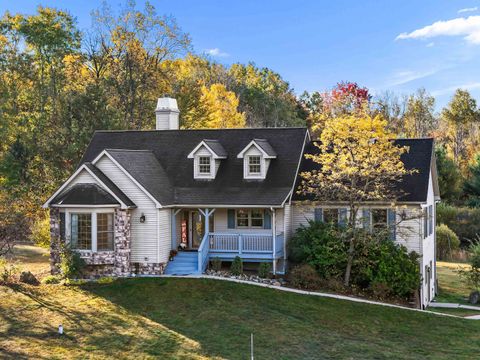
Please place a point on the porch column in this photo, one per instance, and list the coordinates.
(174, 228)
(274, 233)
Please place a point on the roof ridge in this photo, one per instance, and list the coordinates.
(201, 130)
(129, 150)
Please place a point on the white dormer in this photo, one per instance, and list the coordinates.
(206, 159)
(256, 159)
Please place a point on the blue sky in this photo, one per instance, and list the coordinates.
(384, 45)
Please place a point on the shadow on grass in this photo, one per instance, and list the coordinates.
(93, 327)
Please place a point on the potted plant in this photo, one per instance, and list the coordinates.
(173, 253)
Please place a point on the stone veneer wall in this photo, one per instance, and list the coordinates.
(105, 263)
(55, 241)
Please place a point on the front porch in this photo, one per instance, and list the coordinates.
(200, 235)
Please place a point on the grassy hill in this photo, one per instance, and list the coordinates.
(195, 319)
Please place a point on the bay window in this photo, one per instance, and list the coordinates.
(105, 233)
(81, 231)
(92, 231)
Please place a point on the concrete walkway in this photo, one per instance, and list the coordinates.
(458, 306)
(313, 293)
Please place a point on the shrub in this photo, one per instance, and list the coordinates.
(71, 264)
(51, 279)
(27, 277)
(7, 271)
(304, 277)
(106, 280)
(264, 270)
(237, 266)
(41, 232)
(216, 264)
(319, 245)
(447, 242)
(472, 275)
(465, 222)
(395, 269)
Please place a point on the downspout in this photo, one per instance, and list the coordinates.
(274, 232)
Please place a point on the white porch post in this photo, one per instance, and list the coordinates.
(274, 232)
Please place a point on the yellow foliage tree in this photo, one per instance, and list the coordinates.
(220, 108)
(359, 162)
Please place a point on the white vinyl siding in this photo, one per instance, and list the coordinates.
(144, 235)
(164, 234)
(83, 177)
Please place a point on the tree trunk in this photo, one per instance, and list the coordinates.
(348, 270)
(351, 247)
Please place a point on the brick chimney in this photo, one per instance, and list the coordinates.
(166, 114)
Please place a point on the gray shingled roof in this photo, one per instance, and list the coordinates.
(163, 169)
(265, 145)
(413, 187)
(110, 185)
(144, 167)
(216, 147)
(85, 194)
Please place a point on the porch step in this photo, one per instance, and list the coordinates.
(184, 263)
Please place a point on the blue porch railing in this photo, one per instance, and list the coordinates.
(253, 247)
(203, 251)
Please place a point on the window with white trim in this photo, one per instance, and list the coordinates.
(204, 165)
(92, 231)
(254, 165)
(81, 231)
(105, 232)
(379, 219)
(250, 218)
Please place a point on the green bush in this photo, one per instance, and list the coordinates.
(472, 275)
(447, 241)
(51, 279)
(237, 266)
(264, 270)
(379, 264)
(71, 264)
(396, 270)
(465, 222)
(8, 271)
(41, 232)
(304, 277)
(216, 264)
(318, 245)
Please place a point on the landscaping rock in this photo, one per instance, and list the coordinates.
(28, 278)
(253, 278)
(474, 297)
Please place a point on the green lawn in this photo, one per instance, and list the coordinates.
(197, 318)
(452, 288)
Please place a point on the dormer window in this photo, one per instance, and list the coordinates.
(254, 165)
(204, 165)
(206, 159)
(256, 159)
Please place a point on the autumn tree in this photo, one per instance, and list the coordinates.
(419, 119)
(346, 98)
(220, 108)
(460, 127)
(359, 163)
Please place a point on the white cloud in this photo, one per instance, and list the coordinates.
(470, 9)
(431, 44)
(405, 76)
(216, 52)
(451, 89)
(468, 27)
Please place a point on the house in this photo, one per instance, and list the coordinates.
(138, 195)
